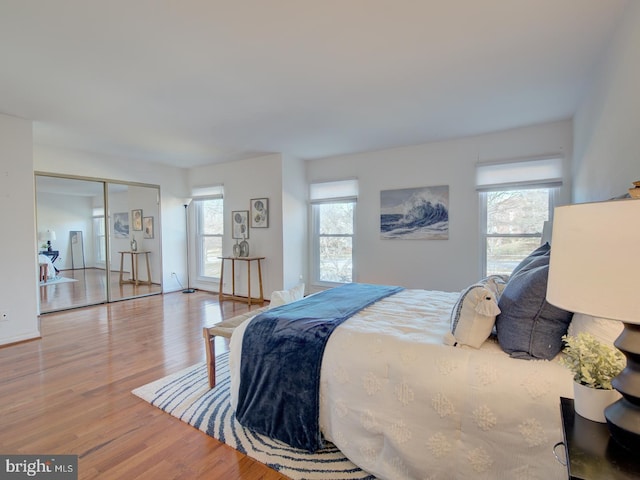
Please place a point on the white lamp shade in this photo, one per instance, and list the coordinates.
(595, 260)
(49, 235)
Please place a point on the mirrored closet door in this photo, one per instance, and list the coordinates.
(98, 241)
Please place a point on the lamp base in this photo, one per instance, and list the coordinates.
(623, 420)
(188, 290)
(623, 416)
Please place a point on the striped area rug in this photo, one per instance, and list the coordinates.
(186, 395)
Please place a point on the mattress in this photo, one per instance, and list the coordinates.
(402, 405)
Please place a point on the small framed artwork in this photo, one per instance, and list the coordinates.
(259, 212)
(136, 220)
(121, 225)
(240, 224)
(147, 227)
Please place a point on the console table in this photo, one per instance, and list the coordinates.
(224, 296)
(591, 452)
(135, 273)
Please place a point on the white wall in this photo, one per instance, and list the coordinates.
(432, 264)
(259, 177)
(607, 133)
(173, 190)
(294, 226)
(62, 214)
(19, 284)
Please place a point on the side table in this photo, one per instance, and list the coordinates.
(591, 452)
(135, 274)
(224, 296)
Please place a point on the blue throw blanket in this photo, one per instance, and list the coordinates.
(281, 357)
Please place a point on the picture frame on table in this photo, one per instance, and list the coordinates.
(259, 213)
(240, 224)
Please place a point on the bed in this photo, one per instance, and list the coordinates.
(51, 271)
(401, 403)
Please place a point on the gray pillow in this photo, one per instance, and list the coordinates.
(528, 326)
(538, 252)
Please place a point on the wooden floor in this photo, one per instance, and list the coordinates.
(90, 288)
(70, 392)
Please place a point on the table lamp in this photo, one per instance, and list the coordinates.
(49, 236)
(595, 269)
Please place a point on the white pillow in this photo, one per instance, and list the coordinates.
(602, 329)
(473, 315)
(282, 297)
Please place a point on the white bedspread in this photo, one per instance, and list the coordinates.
(402, 405)
(51, 271)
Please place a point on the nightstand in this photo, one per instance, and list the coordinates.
(591, 452)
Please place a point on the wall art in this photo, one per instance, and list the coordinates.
(259, 212)
(415, 213)
(240, 224)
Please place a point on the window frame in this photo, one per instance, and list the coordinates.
(200, 236)
(316, 235)
(553, 192)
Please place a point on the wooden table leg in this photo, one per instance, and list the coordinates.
(249, 282)
(121, 266)
(233, 277)
(136, 270)
(146, 254)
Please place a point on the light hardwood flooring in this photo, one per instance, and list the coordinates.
(70, 392)
(89, 289)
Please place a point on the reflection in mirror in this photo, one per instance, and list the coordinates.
(79, 247)
(134, 246)
(67, 207)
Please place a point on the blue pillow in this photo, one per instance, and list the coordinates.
(528, 326)
(538, 252)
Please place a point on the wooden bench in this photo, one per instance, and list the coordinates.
(222, 329)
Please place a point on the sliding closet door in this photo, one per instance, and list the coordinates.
(134, 240)
(71, 242)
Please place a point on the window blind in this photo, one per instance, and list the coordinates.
(211, 191)
(337, 190)
(541, 172)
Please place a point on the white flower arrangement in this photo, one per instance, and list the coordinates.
(592, 362)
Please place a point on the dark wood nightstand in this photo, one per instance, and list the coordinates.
(591, 452)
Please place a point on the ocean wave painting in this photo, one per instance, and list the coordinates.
(415, 213)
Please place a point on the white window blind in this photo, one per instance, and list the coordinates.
(542, 172)
(211, 191)
(342, 189)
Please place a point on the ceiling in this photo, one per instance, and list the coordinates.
(196, 82)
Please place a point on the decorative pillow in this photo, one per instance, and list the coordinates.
(538, 252)
(473, 315)
(282, 297)
(607, 331)
(528, 326)
(498, 281)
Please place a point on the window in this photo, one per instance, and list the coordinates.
(516, 199)
(209, 212)
(100, 244)
(513, 225)
(333, 207)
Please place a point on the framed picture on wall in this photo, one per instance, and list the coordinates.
(121, 225)
(136, 220)
(147, 227)
(259, 212)
(240, 224)
(415, 213)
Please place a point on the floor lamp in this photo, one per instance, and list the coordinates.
(186, 223)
